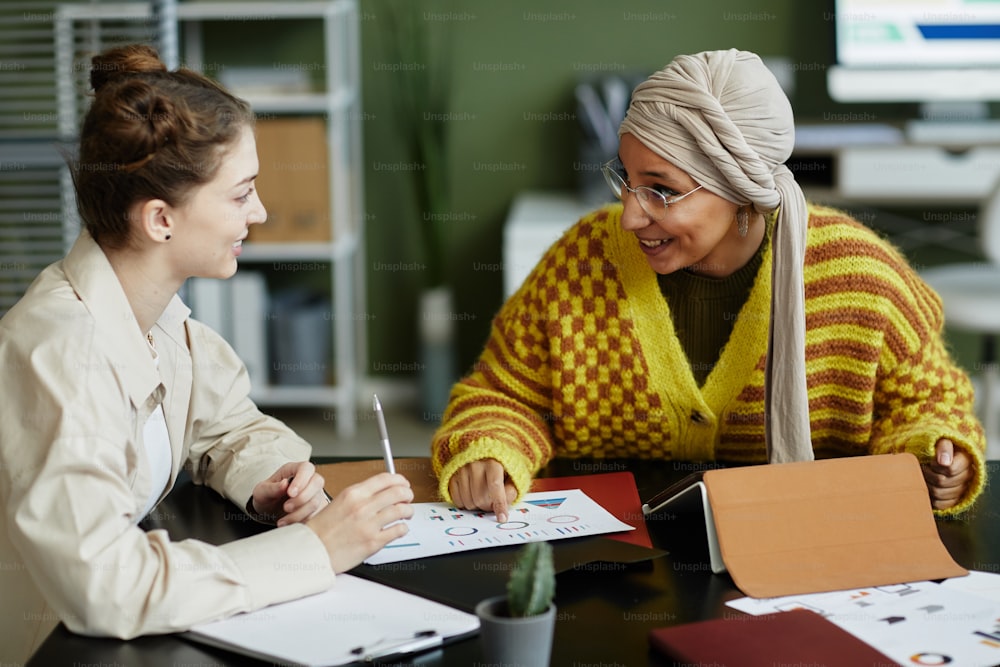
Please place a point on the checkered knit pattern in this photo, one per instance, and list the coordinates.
(583, 360)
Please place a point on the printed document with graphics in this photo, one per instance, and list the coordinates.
(441, 528)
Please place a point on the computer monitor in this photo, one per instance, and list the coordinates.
(916, 51)
(943, 54)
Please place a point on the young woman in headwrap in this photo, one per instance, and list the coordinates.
(712, 315)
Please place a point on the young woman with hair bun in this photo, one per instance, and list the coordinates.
(117, 390)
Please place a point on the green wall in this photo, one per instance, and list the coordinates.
(508, 123)
(511, 126)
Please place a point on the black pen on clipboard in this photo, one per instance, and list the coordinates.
(383, 434)
(420, 641)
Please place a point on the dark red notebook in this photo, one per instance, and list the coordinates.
(614, 491)
(799, 637)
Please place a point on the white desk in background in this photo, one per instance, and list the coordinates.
(876, 163)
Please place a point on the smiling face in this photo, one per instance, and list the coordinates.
(210, 226)
(697, 233)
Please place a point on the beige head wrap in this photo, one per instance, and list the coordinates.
(722, 117)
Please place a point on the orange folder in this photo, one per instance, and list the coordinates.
(816, 526)
(339, 476)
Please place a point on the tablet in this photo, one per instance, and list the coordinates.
(689, 494)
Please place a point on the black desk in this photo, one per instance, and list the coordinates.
(604, 613)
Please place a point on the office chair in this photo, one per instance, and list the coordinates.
(971, 296)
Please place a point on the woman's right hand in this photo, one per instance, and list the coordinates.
(356, 523)
(483, 485)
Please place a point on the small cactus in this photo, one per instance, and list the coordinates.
(532, 583)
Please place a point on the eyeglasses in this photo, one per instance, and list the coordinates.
(653, 202)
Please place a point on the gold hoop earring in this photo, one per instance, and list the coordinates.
(743, 221)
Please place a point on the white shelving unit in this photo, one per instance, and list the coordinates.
(82, 30)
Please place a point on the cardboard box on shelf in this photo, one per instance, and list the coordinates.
(293, 181)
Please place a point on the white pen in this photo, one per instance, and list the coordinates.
(383, 434)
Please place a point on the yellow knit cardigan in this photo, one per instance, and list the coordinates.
(583, 361)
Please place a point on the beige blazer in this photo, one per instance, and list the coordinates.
(78, 383)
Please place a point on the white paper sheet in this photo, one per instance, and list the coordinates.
(920, 623)
(983, 584)
(440, 528)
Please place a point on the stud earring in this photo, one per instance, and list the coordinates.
(743, 221)
(167, 237)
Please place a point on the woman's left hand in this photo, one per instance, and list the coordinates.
(292, 494)
(948, 475)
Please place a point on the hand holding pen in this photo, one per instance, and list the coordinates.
(365, 517)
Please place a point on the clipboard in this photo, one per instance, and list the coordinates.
(816, 526)
(355, 621)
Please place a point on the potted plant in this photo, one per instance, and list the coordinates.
(517, 628)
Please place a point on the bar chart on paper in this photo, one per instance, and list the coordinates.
(439, 528)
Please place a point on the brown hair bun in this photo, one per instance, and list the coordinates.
(122, 61)
(149, 134)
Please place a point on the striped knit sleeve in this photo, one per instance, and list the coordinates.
(501, 409)
(921, 395)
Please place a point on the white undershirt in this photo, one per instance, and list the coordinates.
(158, 452)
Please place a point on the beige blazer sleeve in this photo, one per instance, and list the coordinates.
(71, 467)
